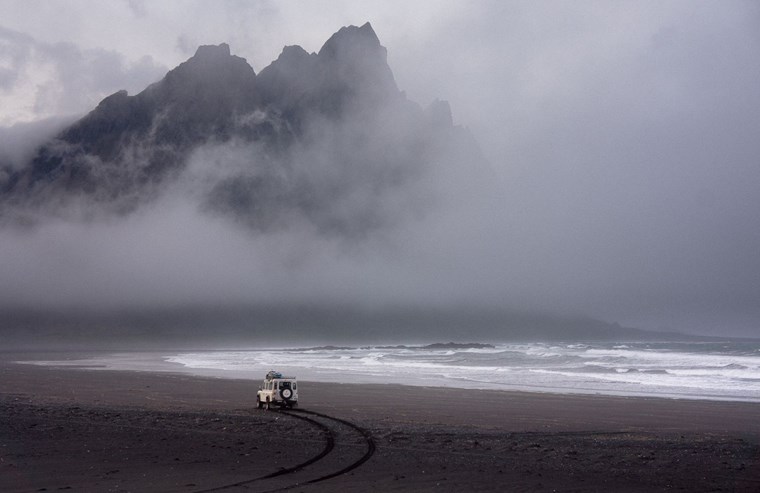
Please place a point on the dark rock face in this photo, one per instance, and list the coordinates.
(326, 137)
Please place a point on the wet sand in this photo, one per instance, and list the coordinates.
(82, 430)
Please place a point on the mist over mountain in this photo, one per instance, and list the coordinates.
(311, 201)
(323, 138)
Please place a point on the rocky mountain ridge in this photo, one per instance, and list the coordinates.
(324, 137)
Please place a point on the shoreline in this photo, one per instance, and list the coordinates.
(87, 360)
(165, 431)
(123, 387)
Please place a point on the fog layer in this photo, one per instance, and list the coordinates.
(623, 149)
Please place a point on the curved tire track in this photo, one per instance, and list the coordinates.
(365, 433)
(329, 446)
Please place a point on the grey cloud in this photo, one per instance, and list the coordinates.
(79, 78)
(185, 46)
(82, 74)
(19, 142)
(14, 50)
(623, 139)
(626, 140)
(138, 8)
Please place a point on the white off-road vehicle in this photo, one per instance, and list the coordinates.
(277, 390)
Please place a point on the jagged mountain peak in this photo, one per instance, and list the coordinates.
(218, 57)
(353, 40)
(354, 61)
(323, 137)
(213, 65)
(292, 53)
(349, 71)
(212, 51)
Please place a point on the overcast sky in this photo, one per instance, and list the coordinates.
(625, 139)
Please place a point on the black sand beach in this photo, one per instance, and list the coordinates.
(82, 430)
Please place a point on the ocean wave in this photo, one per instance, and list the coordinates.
(606, 368)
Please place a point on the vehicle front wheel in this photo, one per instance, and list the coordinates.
(258, 403)
(266, 406)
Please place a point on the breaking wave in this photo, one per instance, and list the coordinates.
(725, 371)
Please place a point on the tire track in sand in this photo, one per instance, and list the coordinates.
(329, 434)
